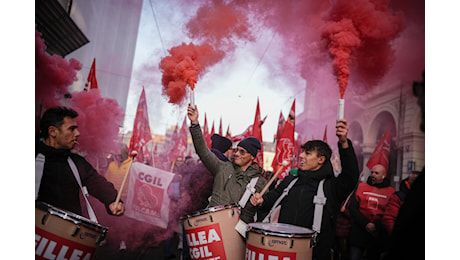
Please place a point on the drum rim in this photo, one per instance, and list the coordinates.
(70, 216)
(209, 210)
(279, 233)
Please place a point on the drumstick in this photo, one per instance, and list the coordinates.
(133, 154)
(284, 163)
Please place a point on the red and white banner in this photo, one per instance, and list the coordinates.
(206, 242)
(257, 253)
(382, 151)
(285, 145)
(141, 129)
(148, 199)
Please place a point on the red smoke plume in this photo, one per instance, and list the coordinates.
(98, 121)
(183, 66)
(53, 75)
(366, 26)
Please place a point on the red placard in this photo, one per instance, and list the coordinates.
(257, 253)
(51, 246)
(206, 242)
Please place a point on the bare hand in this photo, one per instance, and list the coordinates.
(256, 199)
(370, 227)
(117, 209)
(192, 113)
(342, 132)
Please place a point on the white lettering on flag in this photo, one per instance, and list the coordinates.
(148, 199)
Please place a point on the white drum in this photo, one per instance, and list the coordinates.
(211, 233)
(278, 241)
(60, 234)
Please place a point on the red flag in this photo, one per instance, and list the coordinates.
(228, 135)
(325, 135)
(206, 135)
(257, 133)
(212, 129)
(285, 145)
(141, 130)
(220, 126)
(246, 133)
(180, 143)
(91, 82)
(382, 151)
(281, 123)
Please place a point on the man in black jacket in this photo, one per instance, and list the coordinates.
(298, 207)
(55, 182)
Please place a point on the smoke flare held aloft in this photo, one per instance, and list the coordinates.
(185, 64)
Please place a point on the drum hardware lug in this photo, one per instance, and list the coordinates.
(292, 243)
(210, 218)
(45, 217)
(76, 230)
(263, 240)
(233, 212)
(313, 240)
(189, 223)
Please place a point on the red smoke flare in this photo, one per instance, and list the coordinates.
(367, 25)
(183, 67)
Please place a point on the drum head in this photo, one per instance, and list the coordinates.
(280, 229)
(208, 210)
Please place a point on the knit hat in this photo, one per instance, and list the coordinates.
(251, 144)
(220, 143)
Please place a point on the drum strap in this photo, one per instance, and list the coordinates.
(39, 164)
(278, 201)
(91, 213)
(250, 189)
(319, 200)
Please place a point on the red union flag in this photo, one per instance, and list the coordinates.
(141, 130)
(382, 151)
(257, 133)
(285, 145)
(180, 145)
(206, 134)
(147, 198)
(91, 82)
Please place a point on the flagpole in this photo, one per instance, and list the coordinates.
(285, 163)
(133, 154)
(172, 165)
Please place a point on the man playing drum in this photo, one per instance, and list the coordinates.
(56, 182)
(232, 177)
(298, 206)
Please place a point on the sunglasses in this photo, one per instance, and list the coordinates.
(241, 151)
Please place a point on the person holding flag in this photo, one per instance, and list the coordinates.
(230, 177)
(304, 205)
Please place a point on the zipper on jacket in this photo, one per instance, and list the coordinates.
(228, 179)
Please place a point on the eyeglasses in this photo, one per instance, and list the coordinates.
(241, 151)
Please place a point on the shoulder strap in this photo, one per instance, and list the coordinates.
(250, 189)
(319, 200)
(39, 164)
(91, 213)
(278, 201)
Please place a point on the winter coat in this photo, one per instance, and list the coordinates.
(393, 206)
(367, 205)
(297, 208)
(230, 180)
(58, 186)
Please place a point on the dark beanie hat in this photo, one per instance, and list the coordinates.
(220, 143)
(251, 144)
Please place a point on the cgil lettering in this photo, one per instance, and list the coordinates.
(56, 251)
(150, 179)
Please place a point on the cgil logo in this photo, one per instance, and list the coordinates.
(274, 242)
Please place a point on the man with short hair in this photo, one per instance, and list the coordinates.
(55, 182)
(298, 206)
(367, 206)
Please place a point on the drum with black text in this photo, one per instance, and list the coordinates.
(278, 241)
(60, 234)
(211, 233)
